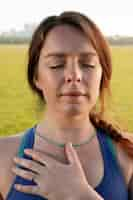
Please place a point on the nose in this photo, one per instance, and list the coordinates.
(73, 73)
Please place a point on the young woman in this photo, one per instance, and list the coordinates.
(70, 69)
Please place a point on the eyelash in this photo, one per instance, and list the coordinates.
(88, 65)
(59, 66)
(56, 66)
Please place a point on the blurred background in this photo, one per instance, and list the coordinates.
(19, 108)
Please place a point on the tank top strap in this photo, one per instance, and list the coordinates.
(27, 141)
(113, 176)
(107, 148)
(112, 147)
(112, 172)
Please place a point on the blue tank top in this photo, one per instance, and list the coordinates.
(111, 187)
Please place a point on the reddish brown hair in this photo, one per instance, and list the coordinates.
(90, 29)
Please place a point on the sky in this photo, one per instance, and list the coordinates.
(114, 17)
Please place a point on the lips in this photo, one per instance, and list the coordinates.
(73, 94)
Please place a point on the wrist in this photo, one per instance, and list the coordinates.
(86, 197)
(86, 194)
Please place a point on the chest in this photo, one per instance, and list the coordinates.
(91, 161)
(93, 167)
(90, 158)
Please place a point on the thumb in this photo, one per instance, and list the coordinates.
(70, 153)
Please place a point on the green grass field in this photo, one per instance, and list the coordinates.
(18, 107)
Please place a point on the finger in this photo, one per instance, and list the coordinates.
(29, 164)
(27, 189)
(42, 158)
(25, 174)
(71, 154)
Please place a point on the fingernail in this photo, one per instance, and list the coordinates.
(17, 186)
(70, 144)
(29, 151)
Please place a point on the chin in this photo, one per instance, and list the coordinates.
(73, 110)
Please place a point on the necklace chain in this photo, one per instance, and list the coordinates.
(63, 144)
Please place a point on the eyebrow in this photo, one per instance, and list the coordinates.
(60, 55)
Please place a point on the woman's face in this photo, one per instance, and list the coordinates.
(68, 63)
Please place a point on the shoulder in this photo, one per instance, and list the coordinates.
(8, 149)
(9, 144)
(124, 158)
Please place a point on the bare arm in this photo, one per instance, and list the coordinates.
(8, 149)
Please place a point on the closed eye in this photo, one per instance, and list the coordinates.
(88, 65)
(57, 66)
(62, 65)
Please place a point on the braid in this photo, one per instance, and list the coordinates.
(1, 197)
(114, 132)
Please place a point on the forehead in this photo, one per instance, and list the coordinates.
(66, 39)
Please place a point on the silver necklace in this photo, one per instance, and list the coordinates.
(63, 144)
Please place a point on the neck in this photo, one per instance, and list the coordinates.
(64, 129)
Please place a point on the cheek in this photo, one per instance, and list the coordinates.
(94, 84)
(50, 85)
(47, 80)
